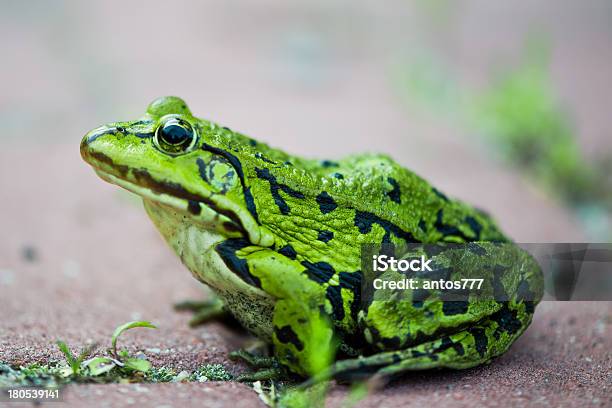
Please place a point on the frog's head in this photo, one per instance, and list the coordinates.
(167, 158)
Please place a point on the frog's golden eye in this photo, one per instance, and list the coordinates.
(175, 136)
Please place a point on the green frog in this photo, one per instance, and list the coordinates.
(279, 239)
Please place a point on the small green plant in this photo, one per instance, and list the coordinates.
(118, 360)
(160, 375)
(74, 363)
(37, 375)
(211, 372)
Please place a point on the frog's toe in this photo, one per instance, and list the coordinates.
(266, 368)
(266, 374)
(205, 311)
(253, 360)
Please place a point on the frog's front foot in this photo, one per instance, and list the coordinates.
(266, 368)
(207, 310)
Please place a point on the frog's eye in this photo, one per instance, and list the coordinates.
(175, 136)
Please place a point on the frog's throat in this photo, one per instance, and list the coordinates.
(231, 222)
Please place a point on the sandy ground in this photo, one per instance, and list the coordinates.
(78, 257)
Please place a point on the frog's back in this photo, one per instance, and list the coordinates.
(383, 192)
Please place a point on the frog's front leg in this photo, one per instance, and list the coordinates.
(302, 333)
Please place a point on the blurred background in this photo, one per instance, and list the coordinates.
(506, 105)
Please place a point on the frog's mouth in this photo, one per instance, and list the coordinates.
(201, 209)
(212, 210)
(176, 197)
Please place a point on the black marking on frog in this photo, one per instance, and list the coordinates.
(227, 251)
(418, 354)
(422, 225)
(287, 163)
(446, 343)
(235, 162)
(101, 157)
(326, 203)
(339, 176)
(141, 122)
(264, 158)
(439, 194)
(231, 227)
(474, 225)
(526, 295)
(202, 169)
(275, 186)
(454, 307)
(352, 281)
(364, 221)
(206, 171)
(320, 272)
(250, 202)
(480, 340)
(329, 163)
(436, 273)
(419, 296)
(334, 295)
(142, 135)
(121, 129)
(476, 249)
(507, 320)
(434, 249)
(288, 251)
(286, 335)
(499, 291)
(395, 195)
(529, 306)
(388, 343)
(325, 236)
(194, 207)
(145, 179)
(524, 292)
(449, 230)
(391, 343)
(252, 142)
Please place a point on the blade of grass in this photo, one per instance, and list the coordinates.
(70, 359)
(127, 326)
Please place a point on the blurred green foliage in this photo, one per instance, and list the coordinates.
(521, 116)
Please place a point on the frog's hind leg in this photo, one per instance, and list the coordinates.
(463, 349)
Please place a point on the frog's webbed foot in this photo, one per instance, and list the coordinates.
(266, 368)
(207, 310)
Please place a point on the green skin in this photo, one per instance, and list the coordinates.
(278, 238)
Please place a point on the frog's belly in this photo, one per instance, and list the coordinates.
(251, 306)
